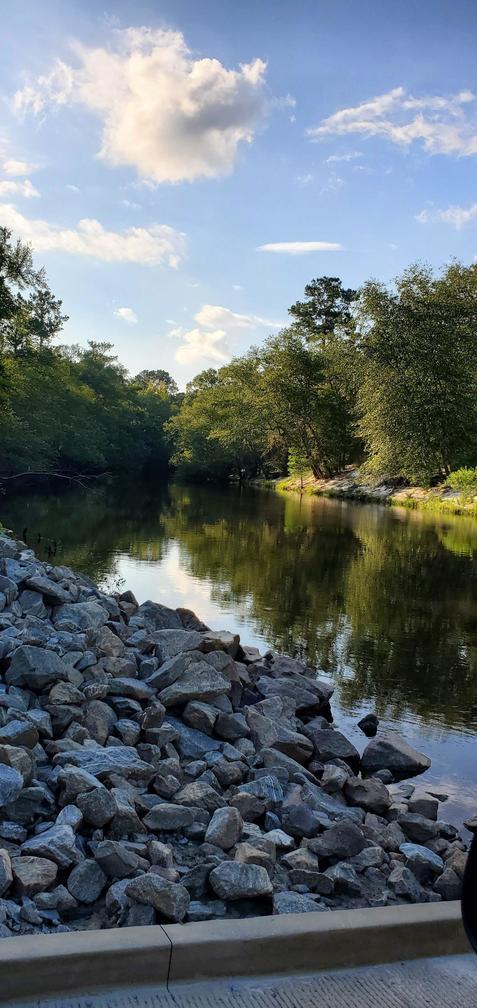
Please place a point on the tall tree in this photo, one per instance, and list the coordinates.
(418, 398)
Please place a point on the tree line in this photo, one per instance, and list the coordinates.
(382, 377)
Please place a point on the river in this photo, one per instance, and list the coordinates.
(383, 600)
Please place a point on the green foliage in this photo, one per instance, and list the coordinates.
(68, 409)
(464, 481)
(417, 399)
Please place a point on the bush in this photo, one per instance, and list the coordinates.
(464, 481)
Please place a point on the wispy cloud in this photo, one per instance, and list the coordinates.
(24, 188)
(72, 188)
(127, 315)
(350, 156)
(14, 167)
(300, 247)
(456, 215)
(215, 316)
(171, 116)
(153, 246)
(442, 124)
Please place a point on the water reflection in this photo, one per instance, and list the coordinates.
(383, 600)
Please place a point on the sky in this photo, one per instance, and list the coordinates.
(182, 168)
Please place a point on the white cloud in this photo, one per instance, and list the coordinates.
(13, 167)
(305, 180)
(153, 246)
(126, 314)
(208, 341)
(237, 287)
(443, 125)
(24, 188)
(130, 204)
(351, 156)
(73, 188)
(216, 317)
(300, 247)
(456, 215)
(201, 345)
(170, 115)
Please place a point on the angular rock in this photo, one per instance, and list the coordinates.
(293, 902)
(391, 752)
(35, 667)
(423, 863)
(199, 682)
(369, 794)
(342, 840)
(6, 877)
(169, 899)
(11, 784)
(168, 818)
(225, 828)
(86, 882)
(232, 880)
(331, 744)
(57, 844)
(33, 874)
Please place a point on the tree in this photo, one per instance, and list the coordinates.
(418, 398)
(156, 379)
(297, 464)
(325, 311)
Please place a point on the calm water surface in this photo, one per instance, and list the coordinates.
(383, 600)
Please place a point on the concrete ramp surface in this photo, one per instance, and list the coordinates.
(445, 982)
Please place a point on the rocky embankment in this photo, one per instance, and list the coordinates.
(153, 770)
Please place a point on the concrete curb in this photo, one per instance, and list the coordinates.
(310, 942)
(50, 965)
(37, 966)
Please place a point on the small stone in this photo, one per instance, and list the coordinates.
(369, 725)
(168, 818)
(417, 828)
(293, 902)
(424, 863)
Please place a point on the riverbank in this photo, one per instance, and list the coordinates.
(153, 770)
(349, 486)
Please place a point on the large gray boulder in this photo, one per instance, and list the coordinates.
(58, 844)
(233, 880)
(199, 682)
(100, 762)
(33, 874)
(331, 744)
(86, 882)
(371, 794)
(35, 667)
(84, 615)
(391, 752)
(153, 616)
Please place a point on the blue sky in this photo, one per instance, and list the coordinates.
(149, 151)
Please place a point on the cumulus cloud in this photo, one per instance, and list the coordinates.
(200, 345)
(172, 116)
(153, 246)
(208, 341)
(443, 125)
(126, 314)
(300, 247)
(456, 215)
(13, 167)
(10, 188)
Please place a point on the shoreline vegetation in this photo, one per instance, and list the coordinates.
(382, 379)
(349, 485)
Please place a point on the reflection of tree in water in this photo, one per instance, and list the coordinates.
(372, 595)
(383, 599)
(412, 609)
(262, 551)
(93, 526)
